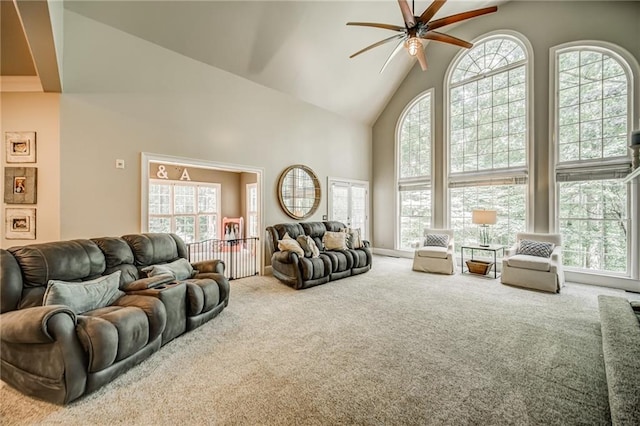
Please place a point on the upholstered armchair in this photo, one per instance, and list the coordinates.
(435, 254)
(532, 265)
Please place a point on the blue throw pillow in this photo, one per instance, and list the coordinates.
(84, 296)
(535, 248)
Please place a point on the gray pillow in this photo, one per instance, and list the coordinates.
(535, 248)
(84, 296)
(181, 269)
(438, 240)
(308, 245)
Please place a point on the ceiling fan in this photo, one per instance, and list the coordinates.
(418, 28)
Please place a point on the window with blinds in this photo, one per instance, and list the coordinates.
(592, 122)
(414, 163)
(488, 137)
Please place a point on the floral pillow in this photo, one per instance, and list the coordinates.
(334, 240)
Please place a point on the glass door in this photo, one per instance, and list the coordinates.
(349, 203)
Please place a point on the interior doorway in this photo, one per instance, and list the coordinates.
(198, 199)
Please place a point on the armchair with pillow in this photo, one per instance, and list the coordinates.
(437, 253)
(534, 261)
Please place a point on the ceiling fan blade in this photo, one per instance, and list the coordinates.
(393, 54)
(381, 42)
(446, 38)
(431, 10)
(433, 25)
(422, 58)
(407, 14)
(376, 25)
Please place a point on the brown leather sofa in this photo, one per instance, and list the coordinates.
(54, 350)
(303, 272)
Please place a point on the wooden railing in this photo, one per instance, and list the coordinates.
(240, 256)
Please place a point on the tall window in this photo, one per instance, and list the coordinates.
(190, 210)
(488, 89)
(593, 119)
(413, 157)
(252, 210)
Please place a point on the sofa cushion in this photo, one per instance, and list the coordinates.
(119, 257)
(525, 261)
(535, 248)
(153, 248)
(437, 240)
(334, 240)
(202, 295)
(112, 333)
(181, 269)
(86, 295)
(313, 268)
(73, 260)
(432, 251)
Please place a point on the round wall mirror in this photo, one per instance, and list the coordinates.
(299, 191)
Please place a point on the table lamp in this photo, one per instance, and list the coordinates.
(484, 218)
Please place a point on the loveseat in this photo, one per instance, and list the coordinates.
(303, 271)
(620, 326)
(76, 314)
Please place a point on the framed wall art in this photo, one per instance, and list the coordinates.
(21, 147)
(20, 185)
(20, 224)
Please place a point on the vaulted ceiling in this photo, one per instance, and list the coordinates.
(300, 48)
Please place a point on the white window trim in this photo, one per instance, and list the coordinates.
(631, 280)
(249, 212)
(331, 180)
(429, 180)
(196, 214)
(448, 177)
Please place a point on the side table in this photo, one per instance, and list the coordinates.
(473, 247)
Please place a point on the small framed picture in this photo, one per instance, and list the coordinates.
(21, 147)
(20, 185)
(20, 224)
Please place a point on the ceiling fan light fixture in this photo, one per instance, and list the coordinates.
(413, 44)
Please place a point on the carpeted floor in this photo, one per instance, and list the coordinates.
(389, 347)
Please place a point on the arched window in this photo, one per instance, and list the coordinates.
(592, 115)
(413, 159)
(488, 136)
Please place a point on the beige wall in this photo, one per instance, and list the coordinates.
(124, 96)
(544, 24)
(231, 194)
(37, 112)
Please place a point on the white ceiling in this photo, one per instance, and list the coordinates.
(300, 48)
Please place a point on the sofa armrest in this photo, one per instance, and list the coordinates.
(34, 325)
(511, 251)
(150, 282)
(214, 265)
(285, 256)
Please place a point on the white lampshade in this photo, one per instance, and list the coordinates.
(484, 217)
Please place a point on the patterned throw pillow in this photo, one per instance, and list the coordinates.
(308, 245)
(535, 248)
(334, 240)
(354, 237)
(438, 240)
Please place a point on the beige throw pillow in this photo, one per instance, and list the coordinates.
(334, 240)
(289, 244)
